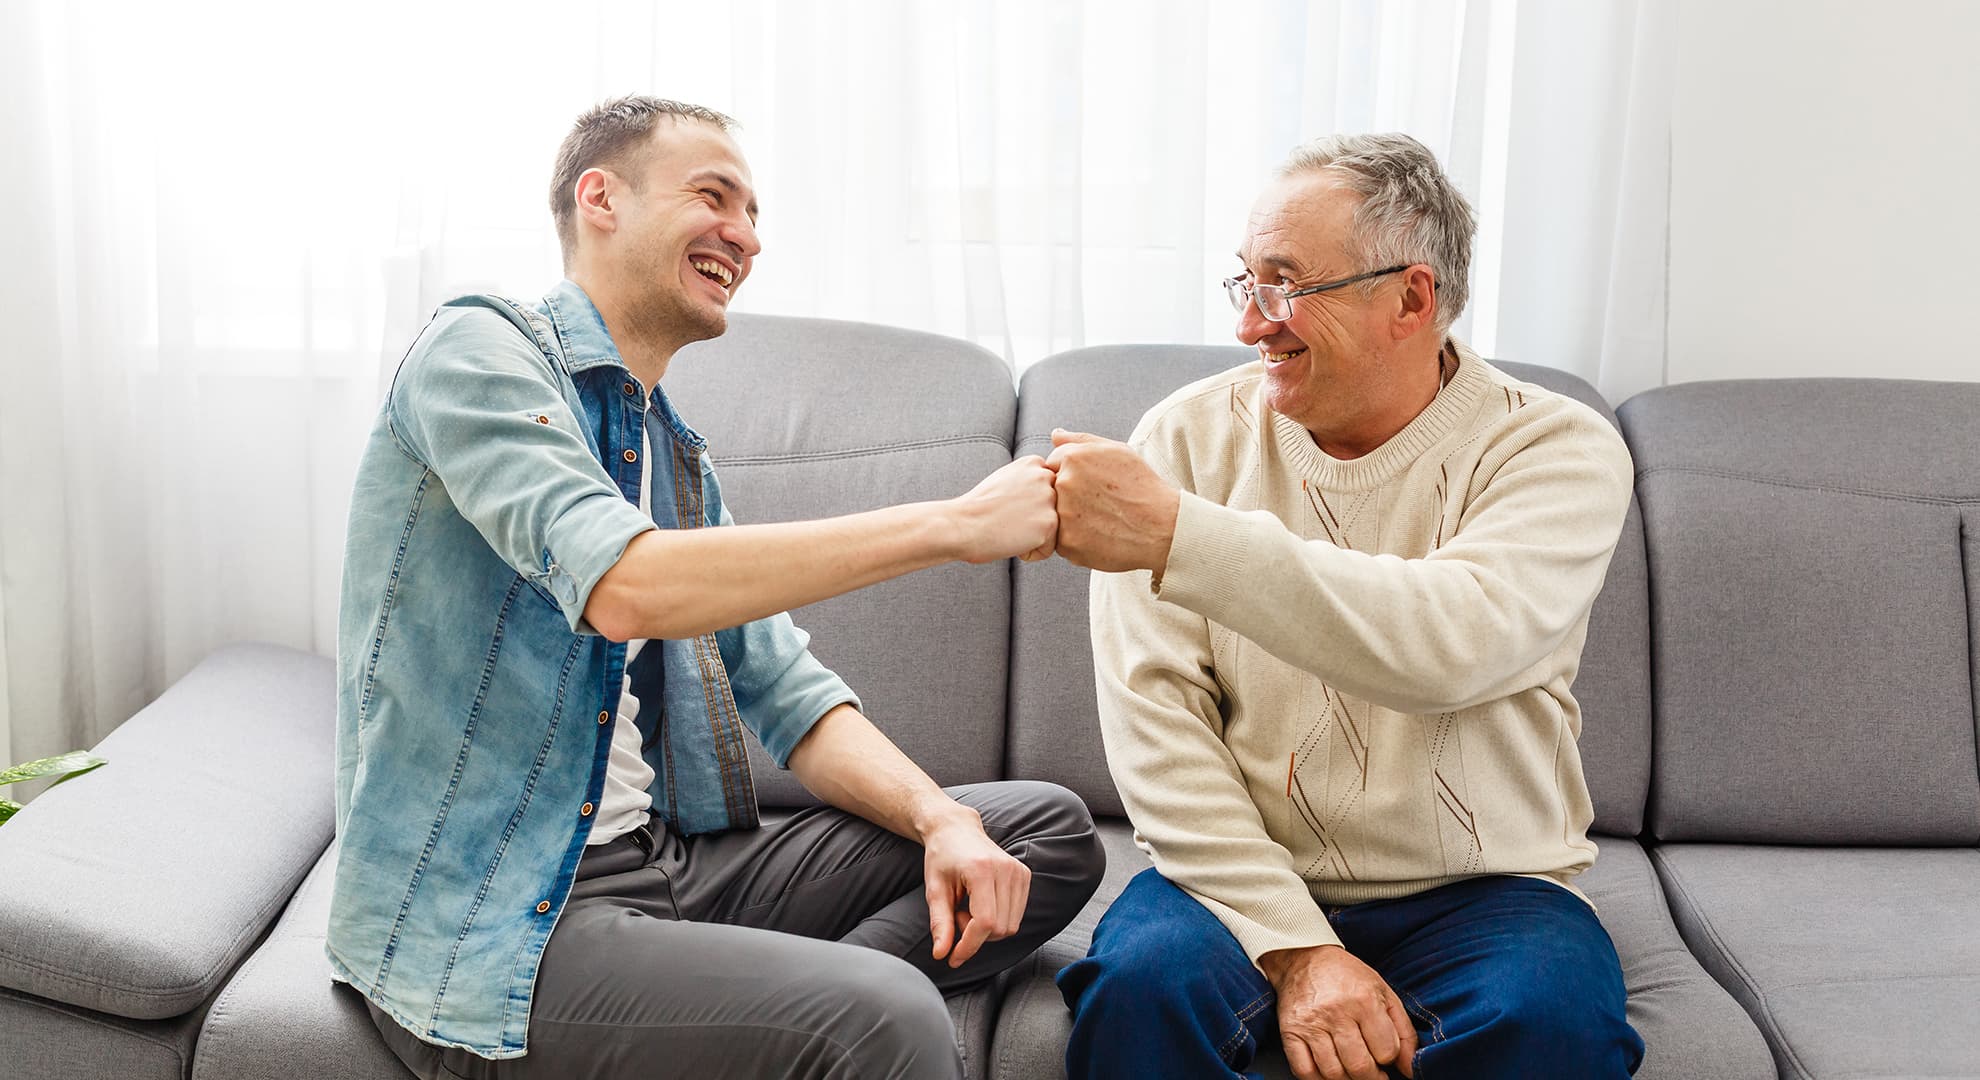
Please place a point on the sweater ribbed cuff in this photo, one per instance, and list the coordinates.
(1284, 920)
(1206, 557)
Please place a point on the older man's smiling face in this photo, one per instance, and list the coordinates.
(1320, 361)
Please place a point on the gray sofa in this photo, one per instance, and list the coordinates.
(1779, 690)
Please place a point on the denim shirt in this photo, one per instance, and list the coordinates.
(500, 482)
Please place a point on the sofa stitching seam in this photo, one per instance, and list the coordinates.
(1719, 945)
(1809, 485)
(209, 1028)
(963, 1004)
(1870, 979)
(84, 1014)
(863, 451)
(1025, 989)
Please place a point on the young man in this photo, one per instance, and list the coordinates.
(1334, 667)
(551, 863)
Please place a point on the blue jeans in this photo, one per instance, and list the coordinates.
(1503, 977)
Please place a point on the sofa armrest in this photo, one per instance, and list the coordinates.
(136, 889)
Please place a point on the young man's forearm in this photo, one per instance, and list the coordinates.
(852, 765)
(683, 583)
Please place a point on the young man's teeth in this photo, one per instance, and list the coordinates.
(716, 270)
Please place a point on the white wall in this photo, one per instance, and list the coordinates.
(1825, 190)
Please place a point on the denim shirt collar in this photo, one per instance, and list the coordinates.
(588, 344)
(580, 329)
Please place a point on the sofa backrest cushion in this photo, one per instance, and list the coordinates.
(1054, 732)
(1812, 608)
(809, 418)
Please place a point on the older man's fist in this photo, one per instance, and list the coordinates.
(1115, 512)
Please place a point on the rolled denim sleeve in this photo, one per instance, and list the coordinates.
(780, 688)
(479, 405)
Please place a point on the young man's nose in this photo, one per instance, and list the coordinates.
(740, 234)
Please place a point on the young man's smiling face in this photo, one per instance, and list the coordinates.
(687, 233)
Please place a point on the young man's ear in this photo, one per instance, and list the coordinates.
(596, 192)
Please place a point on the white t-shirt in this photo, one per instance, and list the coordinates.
(623, 805)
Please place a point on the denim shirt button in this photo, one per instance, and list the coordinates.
(585, 810)
(629, 388)
(604, 717)
(542, 906)
(631, 456)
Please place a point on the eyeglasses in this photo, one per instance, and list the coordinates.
(1275, 301)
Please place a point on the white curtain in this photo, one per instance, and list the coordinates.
(223, 223)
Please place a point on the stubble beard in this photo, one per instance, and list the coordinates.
(667, 312)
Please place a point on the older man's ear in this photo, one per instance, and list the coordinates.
(1115, 512)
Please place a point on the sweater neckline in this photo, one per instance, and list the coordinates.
(1454, 402)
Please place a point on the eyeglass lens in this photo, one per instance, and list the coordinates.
(1271, 299)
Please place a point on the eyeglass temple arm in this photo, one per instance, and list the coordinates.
(1325, 286)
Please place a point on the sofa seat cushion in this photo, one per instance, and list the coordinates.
(1694, 1031)
(283, 1016)
(1854, 961)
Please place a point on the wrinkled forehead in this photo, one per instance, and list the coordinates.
(1299, 226)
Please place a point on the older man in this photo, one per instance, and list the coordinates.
(1351, 581)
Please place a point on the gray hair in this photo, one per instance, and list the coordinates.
(1410, 211)
(613, 135)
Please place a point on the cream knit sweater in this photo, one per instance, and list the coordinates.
(1352, 681)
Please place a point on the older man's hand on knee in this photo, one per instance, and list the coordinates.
(1337, 1019)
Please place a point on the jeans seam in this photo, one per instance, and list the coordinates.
(1436, 1022)
(1436, 1031)
(1243, 1015)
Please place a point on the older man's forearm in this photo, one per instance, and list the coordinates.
(1458, 627)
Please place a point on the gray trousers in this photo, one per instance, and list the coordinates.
(798, 949)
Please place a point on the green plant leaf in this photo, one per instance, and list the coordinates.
(73, 763)
(7, 809)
